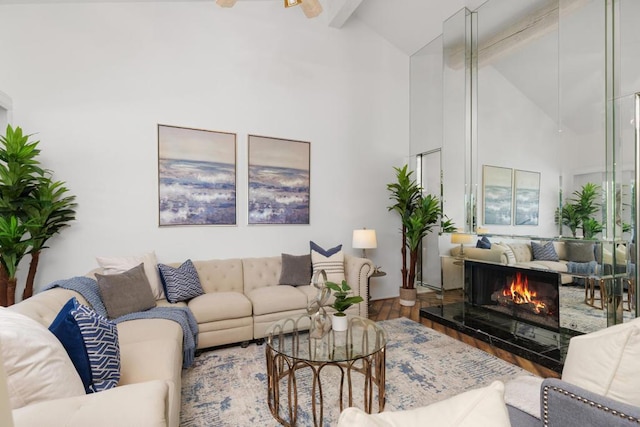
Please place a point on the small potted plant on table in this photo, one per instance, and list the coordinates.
(342, 302)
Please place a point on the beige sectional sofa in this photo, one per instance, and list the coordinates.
(520, 254)
(241, 299)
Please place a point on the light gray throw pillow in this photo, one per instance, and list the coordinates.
(296, 270)
(126, 292)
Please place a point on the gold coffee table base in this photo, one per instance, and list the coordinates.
(288, 370)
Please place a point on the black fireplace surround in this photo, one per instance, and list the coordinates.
(524, 295)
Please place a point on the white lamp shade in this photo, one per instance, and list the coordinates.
(461, 238)
(364, 239)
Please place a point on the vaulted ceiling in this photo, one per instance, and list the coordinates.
(406, 24)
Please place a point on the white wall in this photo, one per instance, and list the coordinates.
(509, 125)
(94, 80)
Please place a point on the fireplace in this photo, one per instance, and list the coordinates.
(521, 294)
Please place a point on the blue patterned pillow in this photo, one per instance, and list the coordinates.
(65, 328)
(182, 283)
(100, 337)
(546, 252)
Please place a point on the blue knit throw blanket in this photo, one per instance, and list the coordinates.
(585, 268)
(88, 288)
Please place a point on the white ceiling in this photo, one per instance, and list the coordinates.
(407, 24)
(410, 24)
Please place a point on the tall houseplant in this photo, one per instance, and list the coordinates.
(578, 211)
(418, 215)
(33, 208)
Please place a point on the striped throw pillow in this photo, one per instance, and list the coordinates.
(331, 261)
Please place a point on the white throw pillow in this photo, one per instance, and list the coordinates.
(607, 362)
(117, 265)
(38, 367)
(475, 408)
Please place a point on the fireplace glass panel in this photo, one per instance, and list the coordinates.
(526, 295)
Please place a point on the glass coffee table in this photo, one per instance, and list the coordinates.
(323, 368)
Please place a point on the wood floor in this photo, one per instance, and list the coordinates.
(391, 309)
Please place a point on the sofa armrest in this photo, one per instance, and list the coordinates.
(567, 405)
(142, 404)
(357, 272)
(495, 254)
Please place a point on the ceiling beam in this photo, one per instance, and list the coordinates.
(341, 11)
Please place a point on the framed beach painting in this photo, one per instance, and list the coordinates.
(497, 195)
(279, 171)
(196, 176)
(527, 197)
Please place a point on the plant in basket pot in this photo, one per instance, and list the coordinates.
(342, 302)
(419, 214)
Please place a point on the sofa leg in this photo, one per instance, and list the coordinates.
(244, 344)
(260, 341)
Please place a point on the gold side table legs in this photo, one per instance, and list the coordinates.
(283, 384)
(589, 292)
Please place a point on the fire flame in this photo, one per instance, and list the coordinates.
(521, 294)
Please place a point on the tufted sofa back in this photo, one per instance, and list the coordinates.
(220, 275)
(261, 272)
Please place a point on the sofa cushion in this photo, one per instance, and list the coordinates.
(66, 329)
(544, 252)
(100, 338)
(125, 292)
(558, 266)
(180, 283)
(475, 408)
(218, 306)
(331, 261)
(115, 265)
(37, 368)
(296, 270)
(580, 251)
(274, 299)
(606, 362)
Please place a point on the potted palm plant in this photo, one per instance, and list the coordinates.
(342, 302)
(418, 215)
(33, 208)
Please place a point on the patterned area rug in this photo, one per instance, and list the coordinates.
(575, 314)
(228, 387)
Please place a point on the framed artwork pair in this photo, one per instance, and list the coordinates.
(197, 183)
(510, 194)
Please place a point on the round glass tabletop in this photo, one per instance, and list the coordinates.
(291, 337)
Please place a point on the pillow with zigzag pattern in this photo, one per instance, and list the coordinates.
(180, 283)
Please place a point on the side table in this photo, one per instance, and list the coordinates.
(376, 273)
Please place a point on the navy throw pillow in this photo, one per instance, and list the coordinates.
(546, 252)
(65, 328)
(182, 283)
(483, 243)
(92, 344)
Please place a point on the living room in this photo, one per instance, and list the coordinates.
(93, 80)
